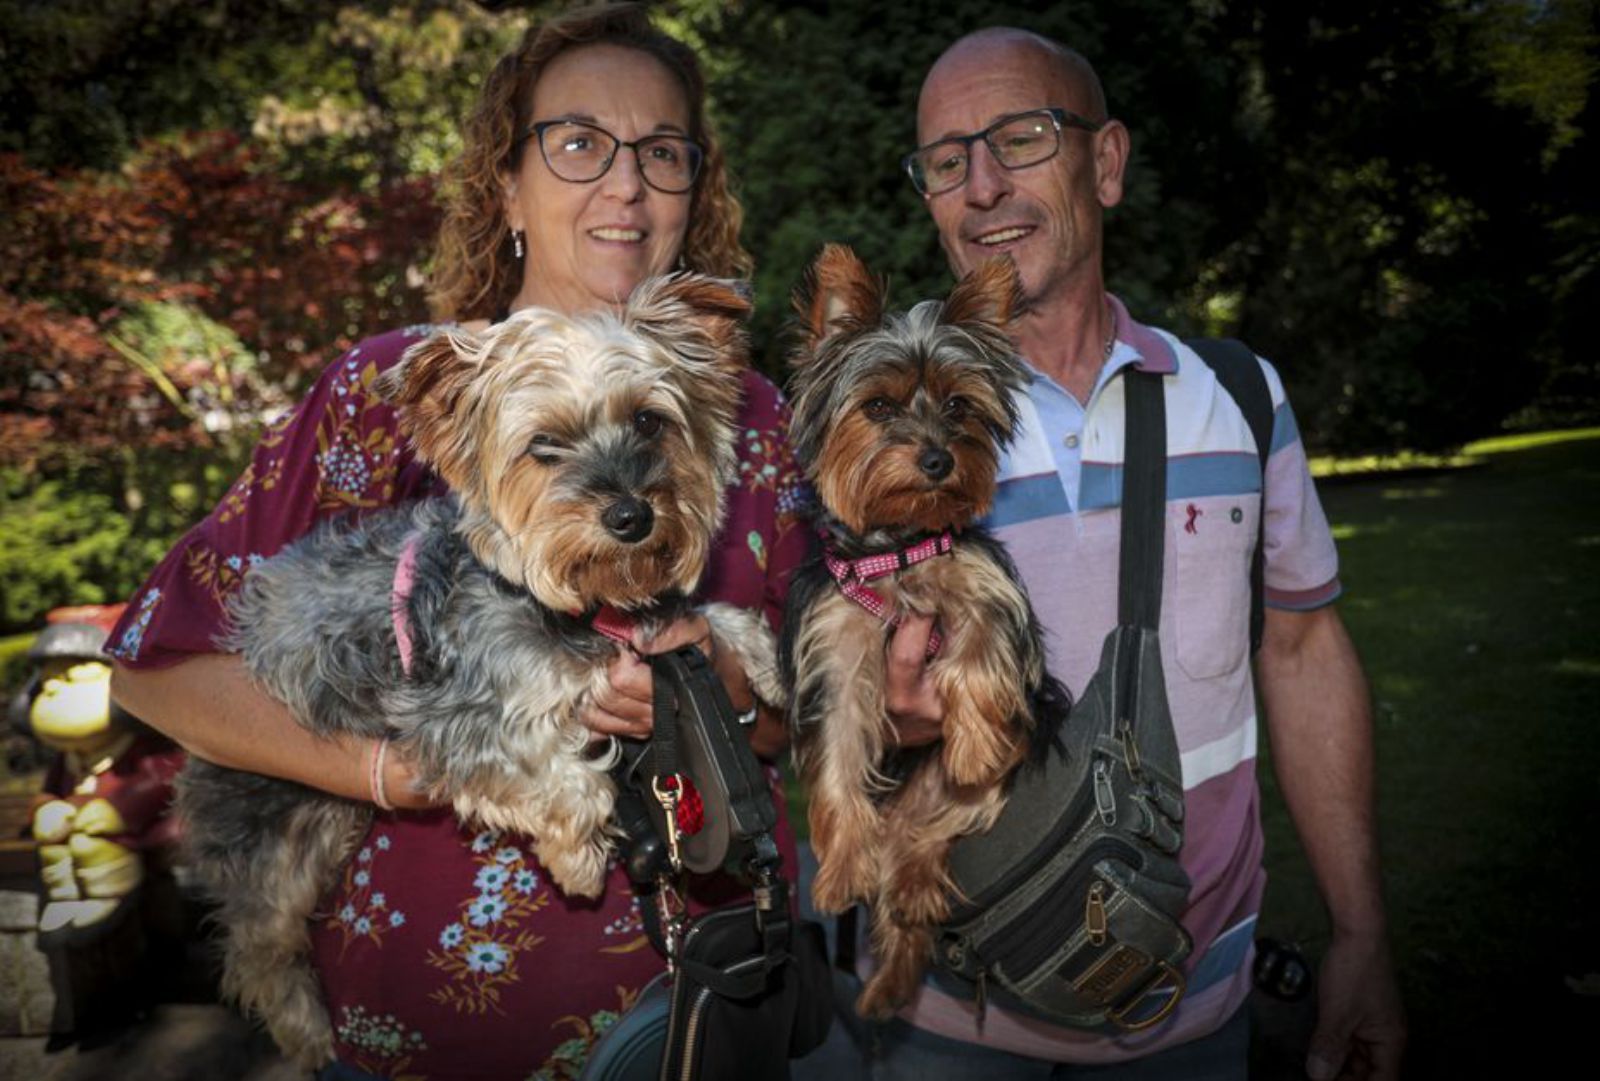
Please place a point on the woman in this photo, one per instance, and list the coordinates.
(446, 954)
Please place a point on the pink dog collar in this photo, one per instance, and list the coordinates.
(852, 575)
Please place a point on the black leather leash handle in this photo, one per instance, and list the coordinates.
(664, 731)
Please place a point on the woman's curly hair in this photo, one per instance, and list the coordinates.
(475, 274)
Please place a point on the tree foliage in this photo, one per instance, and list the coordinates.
(196, 225)
(202, 201)
(1380, 197)
(203, 204)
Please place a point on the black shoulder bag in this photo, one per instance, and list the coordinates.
(747, 986)
(1068, 908)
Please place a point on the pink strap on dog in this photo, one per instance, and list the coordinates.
(405, 576)
(615, 624)
(612, 622)
(853, 574)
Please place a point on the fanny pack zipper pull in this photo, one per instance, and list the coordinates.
(1094, 914)
(1105, 801)
(1130, 748)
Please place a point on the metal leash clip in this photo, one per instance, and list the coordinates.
(668, 797)
(672, 910)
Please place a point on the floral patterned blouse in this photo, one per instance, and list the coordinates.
(446, 952)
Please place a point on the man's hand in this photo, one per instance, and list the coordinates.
(625, 707)
(910, 697)
(1361, 1029)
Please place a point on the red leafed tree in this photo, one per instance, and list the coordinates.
(296, 272)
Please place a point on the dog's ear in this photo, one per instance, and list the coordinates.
(837, 294)
(699, 318)
(431, 387)
(990, 294)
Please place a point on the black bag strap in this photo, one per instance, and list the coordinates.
(1239, 372)
(664, 730)
(1144, 501)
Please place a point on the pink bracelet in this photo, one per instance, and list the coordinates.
(375, 774)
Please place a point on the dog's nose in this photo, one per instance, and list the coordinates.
(629, 520)
(936, 463)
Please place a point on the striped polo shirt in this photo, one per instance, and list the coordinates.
(1058, 512)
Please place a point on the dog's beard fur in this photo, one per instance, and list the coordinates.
(541, 425)
(875, 395)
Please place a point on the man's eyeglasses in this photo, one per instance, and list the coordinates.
(1016, 141)
(580, 152)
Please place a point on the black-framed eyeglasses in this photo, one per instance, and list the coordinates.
(1016, 141)
(579, 152)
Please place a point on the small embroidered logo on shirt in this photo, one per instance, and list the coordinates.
(1194, 512)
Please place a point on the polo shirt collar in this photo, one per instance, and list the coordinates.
(1150, 352)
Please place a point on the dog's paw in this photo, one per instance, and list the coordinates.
(839, 884)
(977, 753)
(579, 872)
(314, 1054)
(304, 1035)
(918, 896)
(746, 633)
(879, 1001)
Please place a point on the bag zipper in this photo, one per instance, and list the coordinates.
(691, 1033)
(1065, 826)
(702, 996)
(1012, 940)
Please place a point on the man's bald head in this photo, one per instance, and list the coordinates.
(1073, 76)
(1045, 214)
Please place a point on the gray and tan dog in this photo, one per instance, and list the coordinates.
(587, 456)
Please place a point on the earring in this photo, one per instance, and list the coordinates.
(516, 242)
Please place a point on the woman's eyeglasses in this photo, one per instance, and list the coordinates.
(580, 152)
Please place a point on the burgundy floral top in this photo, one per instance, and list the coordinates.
(446, 952)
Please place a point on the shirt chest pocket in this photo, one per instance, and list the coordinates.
(1213, 540)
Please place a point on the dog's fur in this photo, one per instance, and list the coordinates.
(587, 457)
(883, 406)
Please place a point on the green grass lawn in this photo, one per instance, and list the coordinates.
(1474, 598)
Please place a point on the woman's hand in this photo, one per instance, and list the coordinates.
(625, 706)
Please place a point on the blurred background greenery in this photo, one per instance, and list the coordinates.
(204, 201)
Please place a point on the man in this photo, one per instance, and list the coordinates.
(1018, 157)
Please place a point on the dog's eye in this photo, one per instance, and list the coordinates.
(879, 409)
(957, 408)
(544, 447)
(647, 422)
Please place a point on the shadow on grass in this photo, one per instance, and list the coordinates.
(1474, 598)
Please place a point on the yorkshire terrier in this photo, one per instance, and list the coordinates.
(587, 458)
(899, 423)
